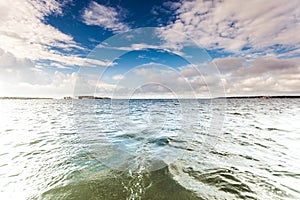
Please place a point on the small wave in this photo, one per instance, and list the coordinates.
(225, 180)
(114, 185)
(275, 129)
(236, 113)
(161, 141)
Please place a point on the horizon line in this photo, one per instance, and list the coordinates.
(142, 98)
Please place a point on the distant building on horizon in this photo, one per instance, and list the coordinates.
(92, 97)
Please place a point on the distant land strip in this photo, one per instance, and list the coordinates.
(260, 97)
(44, 98)
(25, 98)
(95, 97)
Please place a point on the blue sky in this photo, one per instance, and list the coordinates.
(134, 13)
(218, 48)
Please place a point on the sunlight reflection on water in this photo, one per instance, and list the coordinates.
(52, 149)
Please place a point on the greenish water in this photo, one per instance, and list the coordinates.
(120, 185)
(149, 149)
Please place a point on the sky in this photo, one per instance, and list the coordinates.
(149, 49)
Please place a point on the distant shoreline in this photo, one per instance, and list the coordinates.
(25, 98)
(107, 98)
(260, 97)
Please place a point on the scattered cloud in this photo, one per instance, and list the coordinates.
(143, 46)
(259, 35)
(24, 33)
(261, 76)
(118, 77)
(71, 60)
(235, 26)
(164, 12)
(15, 70)
(59, 85)
(105, 17)
(23, 77)
(155, 79)
(58, 65)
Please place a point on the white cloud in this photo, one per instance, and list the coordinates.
(15, 70)
(72, 60)
(58, 65)
(155, 79)
(60, 85)
(232, 24)
(22, 30)
(171, 48)
(22, 77)
(24, 33)
(118, 77)
(261, 76)
(106, 17)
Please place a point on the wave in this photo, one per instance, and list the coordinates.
(110, 185)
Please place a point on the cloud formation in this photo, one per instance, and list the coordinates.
(28, 43)
(238, 25)
(105, 17)
(259, 36)
(24, 33)
(13, 70)
(261, 76)
(34, 85)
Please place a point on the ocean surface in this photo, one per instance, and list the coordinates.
(150, 149)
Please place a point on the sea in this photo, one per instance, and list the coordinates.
(244, 148)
